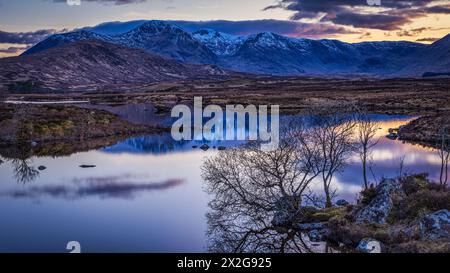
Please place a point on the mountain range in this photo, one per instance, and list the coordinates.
(262, 53)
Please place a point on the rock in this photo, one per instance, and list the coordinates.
(435, 225)
(392, 136)
(379, 208)
(1, 161)
(194, 147)
(87, 166)
(42, 168)
(342, 203)
(221, 148)
(318, 235)
(204, 147)
(369, 245)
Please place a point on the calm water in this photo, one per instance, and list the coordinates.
(144, 195)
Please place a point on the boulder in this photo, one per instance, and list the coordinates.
(342, 203)
(221, 148)
(42, 168)
(369, 245)
(392, 136)
(318, 235)
(380, 207)
(317, 232)
(435, 225)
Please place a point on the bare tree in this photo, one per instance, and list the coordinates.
(401, 166)
(366, 132)
(248, 184)
(444, 155)
(333, 133)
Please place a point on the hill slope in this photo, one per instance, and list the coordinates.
(92, 64)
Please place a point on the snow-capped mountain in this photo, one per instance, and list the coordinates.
(167, 40)
(220, 43)
(274, 54)
(156, 37)
(270, 53)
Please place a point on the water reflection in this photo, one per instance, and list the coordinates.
(257, 195)
(130, 214)
(20, 156)
(163, 144)
(24, 172)
(103, 187)
(254, 193)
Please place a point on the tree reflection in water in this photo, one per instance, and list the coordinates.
(23, 171)
(20, 158)
(20, 155)
(250, 186)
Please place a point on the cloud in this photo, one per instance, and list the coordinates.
(13, 50)
(282, 27)
(427, 39)
(391, 15)
(108, 2)
(288, 28)
(412, 32)
(25, 38)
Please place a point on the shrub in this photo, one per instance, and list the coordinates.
(414, 183)
(24, 86)
(367, 195)
(419, 203)
(328, 213)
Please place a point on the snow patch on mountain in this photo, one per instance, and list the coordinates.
(220, 43)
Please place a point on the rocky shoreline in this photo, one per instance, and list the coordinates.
(426, 129)
(408, 214)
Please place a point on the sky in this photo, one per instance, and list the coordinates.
(26, 22)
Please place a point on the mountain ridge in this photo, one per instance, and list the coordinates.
(273, 54)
